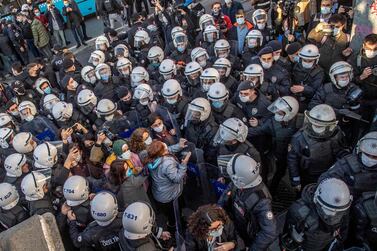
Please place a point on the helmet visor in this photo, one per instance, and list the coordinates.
(279, 105)
(120, 51)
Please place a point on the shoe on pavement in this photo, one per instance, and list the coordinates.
(78, 46)
(85, 44)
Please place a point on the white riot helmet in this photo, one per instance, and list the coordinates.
(32, 185)
(23, 142)
(309, 52)
(167, 69)
(230, 130)
(38, 84)
(6, 137)
(198, 110)
(208, 77)
(180, 41)
(141, 38)
(243, 171)
(25, 105)
(124, 66)
(367, 148)
(88, 73)
(76, 190)
(5, 119)
(45, 155)
(217, 92)
(138, 221)
(13, 164)
(49, 101)
(62, 111)
(171, 90)
(332, 199)
(285, 108)
(102, 40)
(103, 72)
(252, 72)
(106, 107)
(9, 196)
(175, 30)
(97, 57)
(121, 50)
(341, 68)
(200, 56)
(86, 100)
(104, 208)
(143, 93)
(211, 34)
(222, 48)
(223, 66)
(193, 70)
(259, 19)
(155, 55)
(138, 75)
(321, 120)
(254, 39)
(205, 20)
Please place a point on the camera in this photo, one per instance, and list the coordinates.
(108, 134)
(374, 70)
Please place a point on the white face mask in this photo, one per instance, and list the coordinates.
(318, 129)
(343, 83)
(159, 128)
(367, 161)
(15, 113)
(252, 43)
(266, 65)
(74, 84)
(278, 117)
(206, 87)
(276, 57)
(240, 20)
(109, 117)
(148, 141)
(92, 79)
(244, 99)
(261, 26)
(216, 233)
(126, 155)
(171, 101)
(143, 102)
(325, 10)
(29, 118)
(307, 65)
(370, 53)
(336, 31)
(202, 63)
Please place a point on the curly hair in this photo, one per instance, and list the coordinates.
(201, 220)
(136, 142)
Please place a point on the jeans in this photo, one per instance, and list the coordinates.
(77, 34)
(31, 46)
(117, 17)
(46, 51)
(59, 37)
(139, 8)
(7, 62)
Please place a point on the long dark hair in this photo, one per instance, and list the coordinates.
(117, 174)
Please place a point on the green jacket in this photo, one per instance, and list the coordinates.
(40, 34)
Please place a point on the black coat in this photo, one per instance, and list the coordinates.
(58, 17)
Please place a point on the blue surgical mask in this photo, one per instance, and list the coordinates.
(296, 59)
(47, 90)
(325, 10)
(217, 104)
(37, 14)
(105, 77)
(181, 48)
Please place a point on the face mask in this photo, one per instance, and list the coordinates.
(206, 87)
(148, 141)
(296, 59)
(261, 26)
(171, 101)
(155, 65)
(15, 113)
(244, 99)
(307, 65)
(276, 57)
(367, 161)
(92, 80)
(266, 65)
(47, 90)
(325, 10)
(181, 48)
(202, 63)
(343, 83)
(105, 77)
(370, 53)
(144, 102)
(216, 233)
(109, 117)
(29, 118)
(335, 32)
(126, 155)
(217, 104)
(95, 63)
(252, 43)
(75, 84)
(240, 20)
(215, 12)
(278, 117)
(37, 14)
(159, 128)
(318, 129)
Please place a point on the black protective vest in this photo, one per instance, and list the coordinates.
(336, 98)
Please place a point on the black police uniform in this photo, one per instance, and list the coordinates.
(309, 155)
(228, 110)
(240, 147)
(41, 206)
(13, 216)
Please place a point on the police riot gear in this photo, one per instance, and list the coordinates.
(208, 77)
(144, 94)
(340, 68)
(254, 39)
(45, 155)
(103, 72)
(139, 75)
(200, 56)
(13, 164)
(168, 69)
(155, 55)
(87, 101)
(141, 38)
(102, 40)
(38, 84)
(222, 48)
(24, 143)
(88, 74)
(230, 130)
(9, 196)
(49, 101)
(193, 70)
(206, 20)
(33, 185)
(211, 34)
(284, 108)
(106, 108)
(253, 73)
(6, 137)
(76, 190)
(138, 220)
(121, 51)
(24, 105)
(171, 91)
(223, 66)
(62, 111)
(6, 120)
(104, 208)
(97, 57)
(321, 121)
(124, 66)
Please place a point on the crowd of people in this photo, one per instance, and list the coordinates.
(192, 111)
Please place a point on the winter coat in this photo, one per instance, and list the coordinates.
(58, 18)
(40, 34)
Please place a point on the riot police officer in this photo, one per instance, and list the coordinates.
(224, 67)
(6, 137)
(358, 169)
(97, 57)
(11, 210)
(16, 166)
(106, 82)
(141, 47)
(315, 148)
(222, 108)
(66, 115)
(248, 201)
(308, 76)
(319, 220)
(260, 19)
(86, 102)
(192, 72)
(254, 41)
(281, 128)
(155, 57)
(200, 55)
(208, 77)
(222, 50)
(124, 68)
(182, 50)
(102, 233)
(88, 75)
(24, 143)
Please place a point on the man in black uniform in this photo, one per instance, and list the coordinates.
(248, 201)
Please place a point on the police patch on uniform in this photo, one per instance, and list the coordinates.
(273, 79)
(289, 147)
(79, 238)
(254, 111)
(269, 215)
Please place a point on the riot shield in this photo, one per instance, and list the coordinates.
(169, 119)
